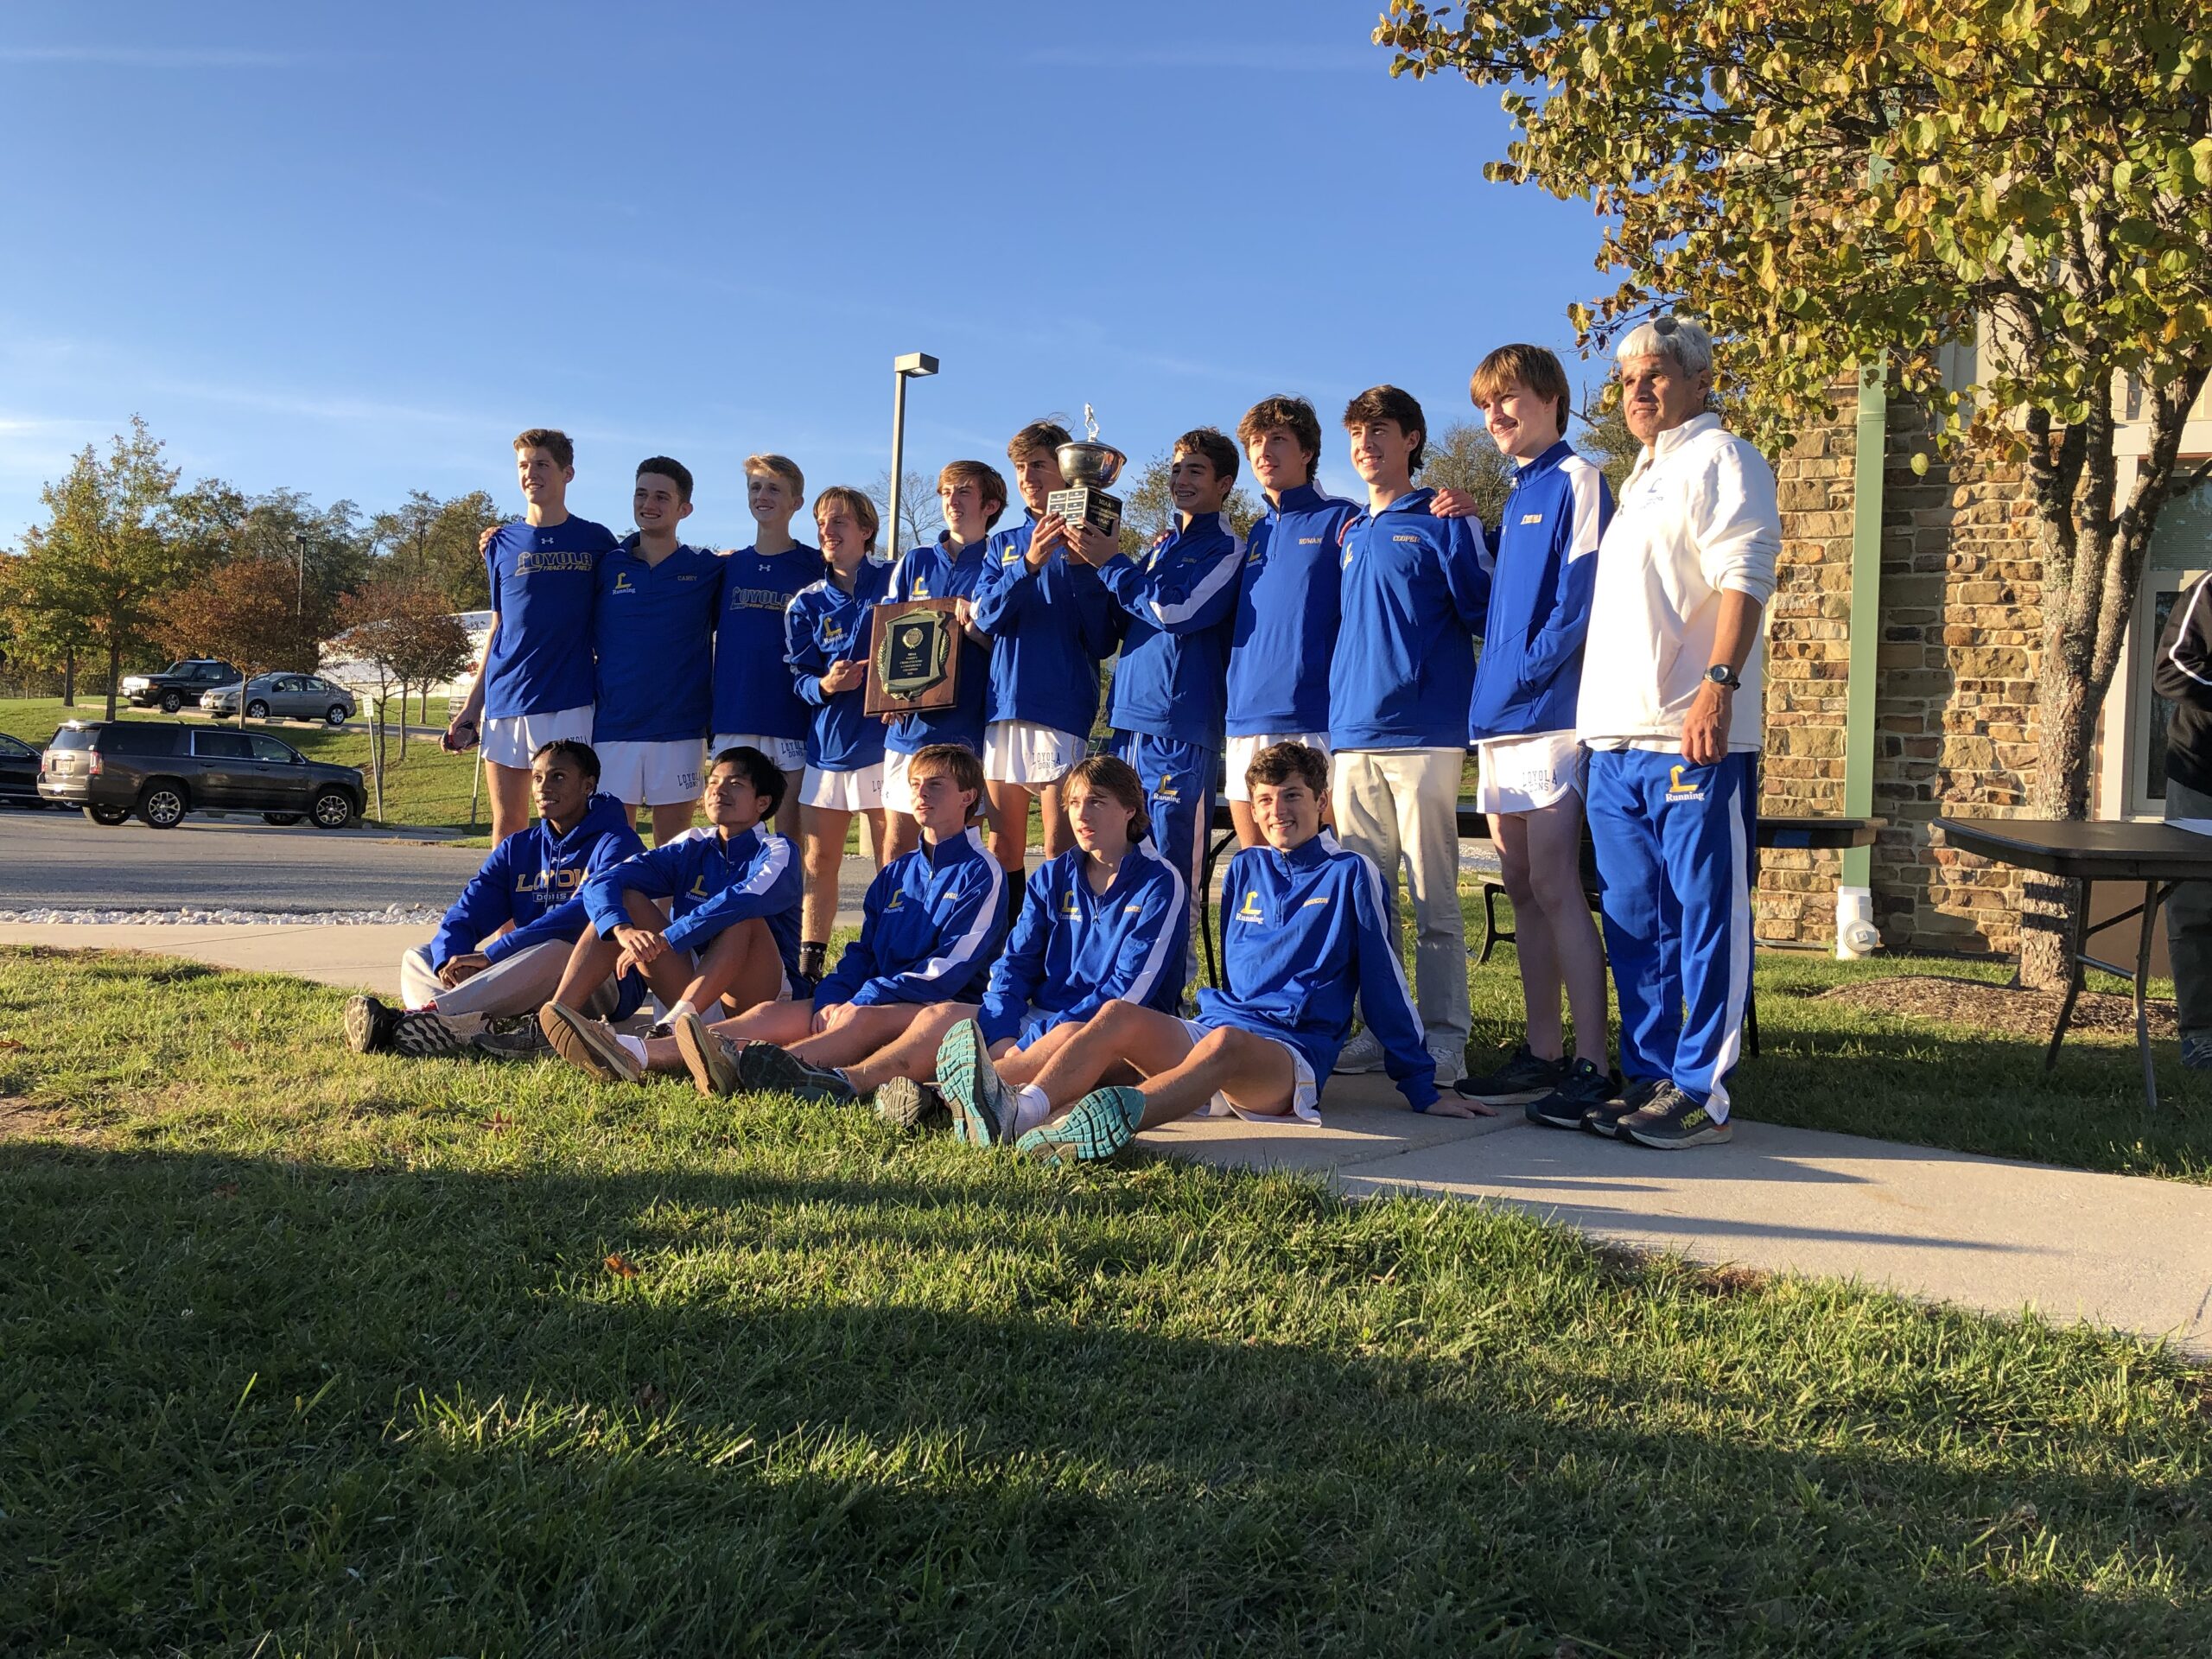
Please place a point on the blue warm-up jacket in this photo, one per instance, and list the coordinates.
(716, 883)
(1049, 628)
(1531, 665)
(1307, 931)
(930, 925)
(1181, 598)
(1073, 950)
(1415, 589)
(534, 879)
(936, 572)
(1288, 608)
(825, 624)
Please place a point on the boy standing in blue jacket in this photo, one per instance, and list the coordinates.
(1050, 624)
(972, 496)
(1311, 927)
(1416, 588)
(1288, 604)
(502, 947)
(930, 925)
(1521, 723)
(732, 928)
(653, 632)
(756, 705)
(1178, 602)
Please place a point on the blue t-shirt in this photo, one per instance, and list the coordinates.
(541, 577)
(655, 635)
(754, 694)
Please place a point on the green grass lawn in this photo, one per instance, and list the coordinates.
(304, 1353)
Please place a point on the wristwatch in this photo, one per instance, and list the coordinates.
(1723, 676)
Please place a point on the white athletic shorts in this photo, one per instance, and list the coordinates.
(788, 753)
(1305, 1093)
(843, 792)
(653, 774)
(1023, 751)
(1521, 774)
(512, 742)
(1238, 753)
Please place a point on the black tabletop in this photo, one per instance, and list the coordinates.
(2098, 852)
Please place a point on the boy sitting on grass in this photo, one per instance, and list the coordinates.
(931, 924)
(734, 931)
(1312, 929)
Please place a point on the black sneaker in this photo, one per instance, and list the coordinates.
(764, 1068)
(1671, 1121)
(511, 1039)
(369, 1025)
(1582, 1090)
(917, 1108)
(423, 1034)
(1521, 1079)
(1604, 1119)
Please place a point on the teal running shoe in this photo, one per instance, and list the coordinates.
(1096, 1127)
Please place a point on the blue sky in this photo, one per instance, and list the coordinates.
(352, 251)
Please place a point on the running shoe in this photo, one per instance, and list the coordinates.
(1671, 1121)
(983, 1106)
(914, 1107)
(369, 1025)
(1522, 1080)
(1451, 1059)
(710, 1060)
(1362, 1053)
(1098, 1126)
(1582, 1091)
(763, 1068)
(588, 1044)
(517, 1039)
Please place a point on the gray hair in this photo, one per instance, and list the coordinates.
(1684, 342)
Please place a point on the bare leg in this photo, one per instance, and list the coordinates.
(901, 834)
(1532, 936)
(742, 964)
(1019, 1066)
(769, 1022)
(672, 820)
(865, 1031)
(509, 790)
(1255, 1072)
(910, 1055)
(1009, 823)
(823, 829)
(591, 959)
(874, 819)
(1052, 814)
(1121, 1031)
(1555, 865)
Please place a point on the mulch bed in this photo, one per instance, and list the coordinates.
(1997, 1007)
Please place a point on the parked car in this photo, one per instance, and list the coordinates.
(19, 772)
(287, 697)
(179, 683)
(161, 771)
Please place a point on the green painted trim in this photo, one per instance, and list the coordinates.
(1866, 608)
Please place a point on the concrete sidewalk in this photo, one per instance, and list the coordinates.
(1984, 1233)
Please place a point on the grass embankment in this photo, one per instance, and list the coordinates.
(309, 1353)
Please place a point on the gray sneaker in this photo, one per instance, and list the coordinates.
(1671, 1121)
(1362, 1053)
(917, 1108)
(2196, 1049)
(1451, 1059)
(511, 1039)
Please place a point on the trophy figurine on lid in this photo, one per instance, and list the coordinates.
(1089, 468)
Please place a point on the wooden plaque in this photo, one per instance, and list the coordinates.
(913, 663)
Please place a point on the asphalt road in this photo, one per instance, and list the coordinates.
(63, 859)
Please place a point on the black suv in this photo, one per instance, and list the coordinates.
(179, 683)
(161, 771)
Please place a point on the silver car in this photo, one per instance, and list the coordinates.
(283, 696)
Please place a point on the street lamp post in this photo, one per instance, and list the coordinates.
(913, 364)
(300, 598)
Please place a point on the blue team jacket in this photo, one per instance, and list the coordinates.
(1073, 950)
(1181, 601)
(533, 879)
(1531, 665)
(930, 925)
(716, 883)
(1288, 607)
(1049, 630)
(937, 573)
(824, 625)
(1416, 588)
(1306, 931)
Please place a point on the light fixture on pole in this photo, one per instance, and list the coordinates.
(300, 598)
(914, 365)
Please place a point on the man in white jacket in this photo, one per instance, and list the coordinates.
(1669, 711)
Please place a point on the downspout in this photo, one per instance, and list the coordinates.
(1854, 895)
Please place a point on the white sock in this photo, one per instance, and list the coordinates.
(634, 1045)
(1030, 1109)
(680, 1010)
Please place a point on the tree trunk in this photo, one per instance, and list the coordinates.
(69, 678)
(114, 670)
(2066, 712)
(376, 754)
(402, 721)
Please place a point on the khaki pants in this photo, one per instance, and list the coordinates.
(1404, 803)
(2189, 925)
(522, 984)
